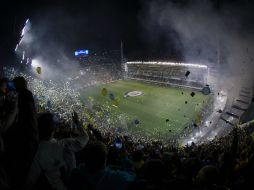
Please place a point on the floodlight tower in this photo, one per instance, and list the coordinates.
(123, 63)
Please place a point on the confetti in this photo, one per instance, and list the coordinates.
(187, 73)
(104, 92)
(111, 96)
(38, 70)
(192, 94)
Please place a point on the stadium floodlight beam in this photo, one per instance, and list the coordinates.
(168, 63)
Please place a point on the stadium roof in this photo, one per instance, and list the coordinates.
(168, 63)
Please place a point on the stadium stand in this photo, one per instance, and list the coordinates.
(168, 73)
(98, 68)
(87, 158)
(224, 163)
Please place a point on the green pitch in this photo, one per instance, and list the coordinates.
(161, 111)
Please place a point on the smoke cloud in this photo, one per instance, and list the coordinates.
(53, 37)
(218, 36)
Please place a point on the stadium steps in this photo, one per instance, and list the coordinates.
(247, 92)
(236, 111)
(239, 108)
(233, 115)
(244, 102)
(227, 119)
(243, 95)
(239, 105)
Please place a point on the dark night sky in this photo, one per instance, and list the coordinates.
(92, 24)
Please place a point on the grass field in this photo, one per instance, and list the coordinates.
(161, 111)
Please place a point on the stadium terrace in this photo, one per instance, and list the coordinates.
(168, 63)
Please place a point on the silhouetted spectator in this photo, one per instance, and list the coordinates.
(138, 159)
(3, 86)
(94, 174)
(27, 117)
(22, 138)
(7, 119)
(3, 93)
(54, 159)
(208, 178)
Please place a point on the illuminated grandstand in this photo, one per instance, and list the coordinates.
(169, 73)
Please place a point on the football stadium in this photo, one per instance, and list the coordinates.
(127, 95)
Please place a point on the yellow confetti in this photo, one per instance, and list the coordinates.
(104, 92)
(38, 70)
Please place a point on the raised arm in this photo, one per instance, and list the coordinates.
(75, 144)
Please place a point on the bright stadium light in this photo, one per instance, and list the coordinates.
(16, 48)
(35, 63)
(23, 56)
(25, 30)
(27, 61)
(81, 52)
(168, 63)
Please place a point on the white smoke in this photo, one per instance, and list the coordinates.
(219, 37)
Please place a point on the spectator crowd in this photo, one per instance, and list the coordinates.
(36, 152)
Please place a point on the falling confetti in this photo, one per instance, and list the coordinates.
(38, 70)
(192, 94)
(187, 73)
(111, 96)
(104, 92)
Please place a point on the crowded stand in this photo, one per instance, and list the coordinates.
(98, 68)
(44, 150)
(168, 72)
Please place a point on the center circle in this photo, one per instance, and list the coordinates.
(134, 93)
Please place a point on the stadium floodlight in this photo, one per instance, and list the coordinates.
(16, 48)
(27, 60)
(168, 63)
(23, 56)
(25, 29)
(23, 32)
